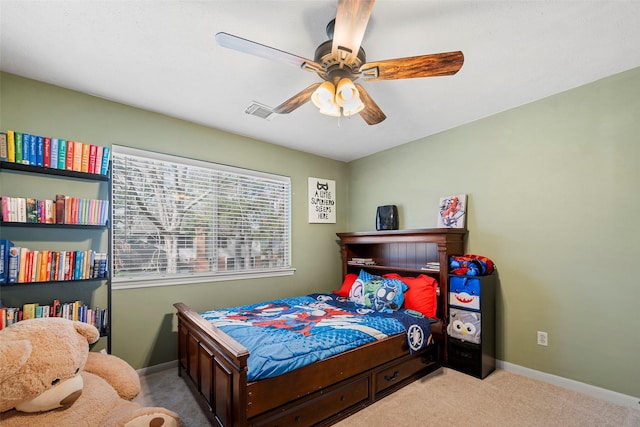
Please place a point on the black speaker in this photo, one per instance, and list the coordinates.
(387, 218)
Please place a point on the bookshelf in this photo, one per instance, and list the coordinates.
(88, 293)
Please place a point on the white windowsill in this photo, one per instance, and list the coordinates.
(196, 278)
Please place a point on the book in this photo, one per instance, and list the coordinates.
(21, 209)
(55, 308)
(5, 246)
(60, 212)
(32, 213)
(45, 257)
(66, 266)
(432, 265)
(361, 261)
(84, 161)
(4, 204)
(92, 158)
(106, 154)
(49, 212)
(13, 266)
(33, 150)
(62, 153)
(79, 265)
(61, 264)
(53, 159)
(22, 264)
(31, 267)
(29, 311)
(77, 156)
(11, 146)
(19, 147)
(4, 147)
(39, 140)
(55, 266)
(47, 152)
(98, 167)
(70, 154)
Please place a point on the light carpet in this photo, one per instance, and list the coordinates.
(445, 397)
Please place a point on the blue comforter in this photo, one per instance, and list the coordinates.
(283, 335)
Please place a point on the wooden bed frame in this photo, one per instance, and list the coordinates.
(215, 366)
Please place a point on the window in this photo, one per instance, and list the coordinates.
(177, 220)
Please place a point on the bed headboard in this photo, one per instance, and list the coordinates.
(405, 252)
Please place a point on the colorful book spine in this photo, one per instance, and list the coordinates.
(70, 153)
(84, 158)
(33, 150)
(39, 140)
(92, 158)
(106, 154)
(4, 147)
(99, 151)
(53, 161)
(22, 264)
(77, 156)
(47, 152)
(5, 246)
(20, 148)
(11, 146)
(13, 269)
(62, 153)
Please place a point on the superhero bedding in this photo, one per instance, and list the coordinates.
(283, 335)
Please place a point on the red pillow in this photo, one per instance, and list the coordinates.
(421, 295)
(346, 285)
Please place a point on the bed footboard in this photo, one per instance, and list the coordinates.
(215, 366)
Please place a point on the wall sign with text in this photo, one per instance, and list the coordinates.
(322, 200)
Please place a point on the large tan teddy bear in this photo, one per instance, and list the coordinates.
(48, 377)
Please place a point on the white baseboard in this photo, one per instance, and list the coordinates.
(600, 393)
(157, 368)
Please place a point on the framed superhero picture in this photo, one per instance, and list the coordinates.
(322, 200)
(452, 212)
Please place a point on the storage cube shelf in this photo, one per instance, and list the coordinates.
(471, 327)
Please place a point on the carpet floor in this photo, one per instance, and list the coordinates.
(445, 397)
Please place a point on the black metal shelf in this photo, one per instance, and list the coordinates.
(46, 225)
(54, 282)
(51, 171)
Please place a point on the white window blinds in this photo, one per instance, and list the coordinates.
(177, 220)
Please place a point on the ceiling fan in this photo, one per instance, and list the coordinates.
(341, 60)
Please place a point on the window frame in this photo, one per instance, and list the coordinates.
(167, 279)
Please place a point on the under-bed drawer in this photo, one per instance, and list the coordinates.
(397, 373)
(318, 407)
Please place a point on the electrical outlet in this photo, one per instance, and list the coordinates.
(543, 339)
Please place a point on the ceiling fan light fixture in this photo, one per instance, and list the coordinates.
(346, 92)
(324, 95)
(348, 97)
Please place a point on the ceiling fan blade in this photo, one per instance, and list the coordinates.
(296, 100)
(372, 114)
(352, 18)
(252, 48)
(439, 64)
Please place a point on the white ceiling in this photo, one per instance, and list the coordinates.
(161, 56)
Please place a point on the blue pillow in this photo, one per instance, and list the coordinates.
(379, 293)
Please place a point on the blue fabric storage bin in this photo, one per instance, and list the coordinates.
(464, 292)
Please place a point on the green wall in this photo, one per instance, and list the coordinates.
(144, 327)
(553, 191)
